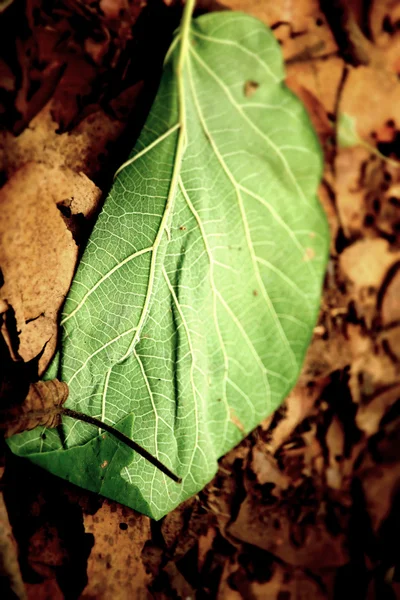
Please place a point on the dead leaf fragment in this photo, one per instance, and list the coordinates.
(300, 27)
(390, 305)
(370, 413)
(11, 584)
(37, 252)
(366, 262)
(272, 529)
(41, 407)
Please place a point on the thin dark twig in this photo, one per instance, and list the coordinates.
(122, 438)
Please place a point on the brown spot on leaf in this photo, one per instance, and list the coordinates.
(309, 254)
(250, 88)
(236, 421)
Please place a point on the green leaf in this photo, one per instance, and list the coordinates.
(196, 296)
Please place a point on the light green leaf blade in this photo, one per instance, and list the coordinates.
(196, 297)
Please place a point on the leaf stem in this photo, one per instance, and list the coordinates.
(68, 412)
(184, 33)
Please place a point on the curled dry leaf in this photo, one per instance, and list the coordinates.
(41, 407)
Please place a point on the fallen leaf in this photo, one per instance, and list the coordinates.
(272, 529)
(265, 468)
(84, 150)
(372, 369)
(365, 264)
(37, 252)
(334, 440)
(282, 583)
(370, 412)
(380, 482)
(115, 568)
(11, 584)
(350, 192)
(205, 546)
(390, 297)
(370, 111)
(300, 27)
(40, 407)
(297, 407)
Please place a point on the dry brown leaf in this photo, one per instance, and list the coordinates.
(300, 26)
(205, 546)
(328, 202)
(37, 252)
(225, 591)
(372, 369)
(350, 193)
(178, 583)
(40, 407)
(11, 584)
(321, 78)
(270, 528)
(380, 482)
(115, 568)
(370, 412)
(382, 19)
(334, 441)
(370, 110)
(283, 583)
(85, 149)
(298, 406)
(390, 304)
(173, 524)
(390, 340)
(365, 264)
(319, 118)
(46, 590)
(265, 468)
(316, 83)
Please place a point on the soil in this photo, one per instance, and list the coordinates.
(307, 506)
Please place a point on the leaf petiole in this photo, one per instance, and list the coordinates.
(68, 412)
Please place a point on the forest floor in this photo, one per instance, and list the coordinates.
(307, 507)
